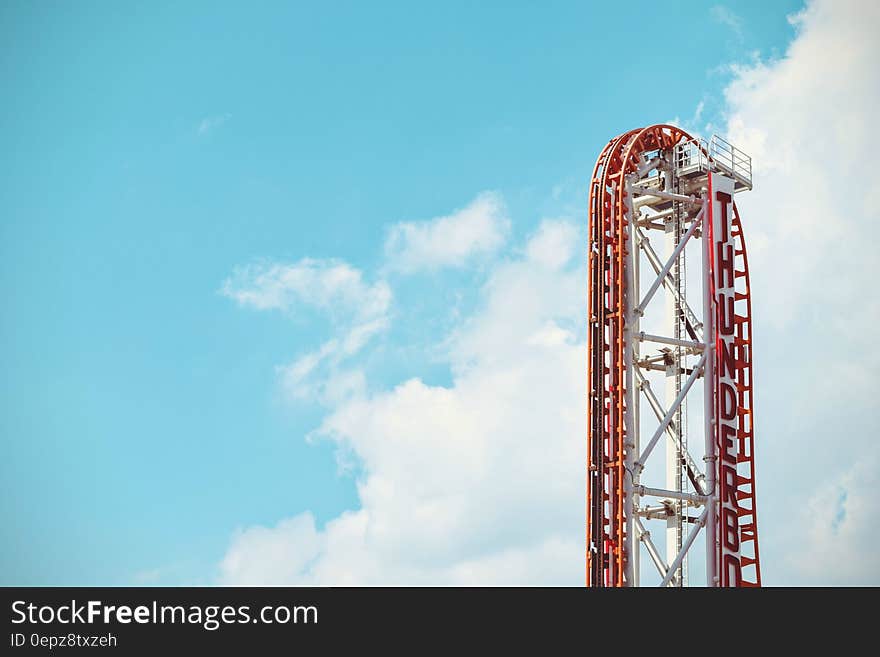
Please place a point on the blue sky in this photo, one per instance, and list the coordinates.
(153, 150)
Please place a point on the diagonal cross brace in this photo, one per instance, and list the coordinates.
(675, 565)
(640, 309)
(697, 478)
(654, 261)
(640, 464)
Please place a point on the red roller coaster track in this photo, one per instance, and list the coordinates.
(614, 529)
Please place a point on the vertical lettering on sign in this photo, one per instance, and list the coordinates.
(726, 399)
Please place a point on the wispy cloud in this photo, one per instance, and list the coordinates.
(211, 123)
(693, 123)
(480, 228)
(725, 16)
(328, 284)
(358, 309)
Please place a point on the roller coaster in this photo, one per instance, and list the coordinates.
(661, 372)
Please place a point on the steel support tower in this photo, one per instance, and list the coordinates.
(670, 435)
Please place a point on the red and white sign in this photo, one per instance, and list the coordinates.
(726, 397)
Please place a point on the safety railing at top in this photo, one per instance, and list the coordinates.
(731, 158)
(716, 154)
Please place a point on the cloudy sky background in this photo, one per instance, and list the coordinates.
(291, 302)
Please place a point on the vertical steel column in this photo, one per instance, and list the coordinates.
(635, 395)
(673, 374)
(709, 394)
(630, 299)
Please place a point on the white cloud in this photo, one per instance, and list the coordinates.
(480, 228)
(261, 555)
(211, 123)
(807, 120)
(840, 520)
(475, 483)
(330, 285)
(554, 243)
(304, 379)
(359, 310)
